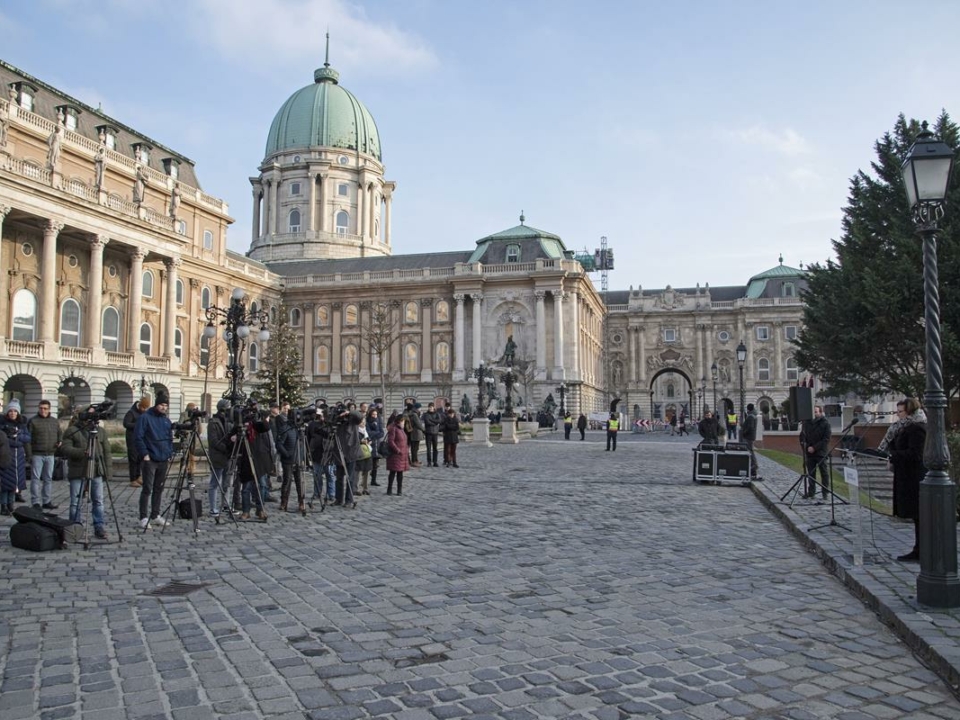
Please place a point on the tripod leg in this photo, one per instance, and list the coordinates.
(113, 509)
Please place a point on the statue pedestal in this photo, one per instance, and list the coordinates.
(481, 432)
(509, 431)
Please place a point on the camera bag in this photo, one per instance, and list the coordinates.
(67, 530)
(35, 537)
(184, 509)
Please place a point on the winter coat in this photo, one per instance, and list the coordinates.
(748, 432)
(399, 460)
(451, 430)
(5, 456)
(710, 430)
(130, 423)
(219, 446)
(317, 435)
(14, 477)
(258, 436)
(906, 456)
(348, 433)
(432, 422)
(582, 422)
(45, 435)
(816, 434)
(376, 433)
(154, 436)
(74, 449)
(284, 439)
(416, 426)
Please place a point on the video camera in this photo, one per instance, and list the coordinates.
(95, 413)
(249, 412)
(191, 422)
(304, 415)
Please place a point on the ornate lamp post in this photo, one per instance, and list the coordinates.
(509, 379)
(483, 375)
(714, 372)
(236, 321)
(741, 359)
(561, 390)
(702, 397)
(926, 175)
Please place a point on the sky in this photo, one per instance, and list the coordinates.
(702, 139)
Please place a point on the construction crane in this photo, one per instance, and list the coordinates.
(601, 260)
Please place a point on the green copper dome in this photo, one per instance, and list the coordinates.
(324, 114)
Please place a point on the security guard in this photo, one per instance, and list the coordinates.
(613, 425)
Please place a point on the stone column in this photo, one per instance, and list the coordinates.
(541, 350)
(574, 370)
(477, 335)
(134, 301)
(48, 282)
(4, 280)
(336, 310)
(458, 344)
(255, 225)
(325, 192)
(361, 218)
(372, 209)
(642, 357)
(426, 352)
(170, 309)
(699, 367)
(95, 303)
(309, 322)
(777, 373)
(312, 207)
(273, 218)
(388, 201)
(558, 297)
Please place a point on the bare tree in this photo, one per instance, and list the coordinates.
(207, 360)
(378, 338)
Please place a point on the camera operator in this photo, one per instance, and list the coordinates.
(348, 437)
(74, 449)
(319, 434)
(285, 440)
(376, 433)
(219, 447)
(153, 436)
(254, 460)
(432, 419)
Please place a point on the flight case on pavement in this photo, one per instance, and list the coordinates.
(721, 466)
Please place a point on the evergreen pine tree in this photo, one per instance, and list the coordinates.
(280, 374)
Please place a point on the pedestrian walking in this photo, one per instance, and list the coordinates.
(582, 425)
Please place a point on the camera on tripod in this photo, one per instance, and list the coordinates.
(191, 422)
(303, 416)
(95, 413)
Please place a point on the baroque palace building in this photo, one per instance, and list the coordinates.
(111, 252)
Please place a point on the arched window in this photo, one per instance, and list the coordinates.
(442, 358)
(513, 253)
(205, 298)
(147, 284)
(296, 317)
(671, 391)
(323, 360)
(443, 311)
(24, 315)
(254, 357)
(793, 370)
(273, 313)
(293, 223)
(178, 343)
(110, 330)
(254, 308)
(179, 291)
(410, 313)
(146, 338)
(70, 323)
(343, 222)
(763, 369)
(323, 316)
(411, 358)
(350, 316)
(204, 350)
(207, 240)
(351, 366)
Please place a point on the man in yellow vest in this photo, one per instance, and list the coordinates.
(731, 426)
(613, 425)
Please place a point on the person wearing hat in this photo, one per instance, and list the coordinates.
(13, 477)
(153, 436)
(413, 426)
(129, 425)
(432, 419)
(219, 448)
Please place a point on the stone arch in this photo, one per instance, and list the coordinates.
(121, 393)
(73, 393)
(682, 401)
(25, 388)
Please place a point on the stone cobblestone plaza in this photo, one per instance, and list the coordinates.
(548, 579)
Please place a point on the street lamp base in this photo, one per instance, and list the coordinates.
(938, 584)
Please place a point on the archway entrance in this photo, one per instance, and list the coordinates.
(26, 389)
(671, 394)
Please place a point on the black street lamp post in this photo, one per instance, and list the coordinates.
(702, 398)
(741, 359)
(926, 175)
(561, 390)
(483, 374)
(509, 379)
(236, 321)
(714, 372)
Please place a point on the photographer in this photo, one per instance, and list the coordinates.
(220, 448)
(74, 449)
(319, 434)
(254, 460)
(432, 420)
(348, 438)
(285, 440)
(153, 436)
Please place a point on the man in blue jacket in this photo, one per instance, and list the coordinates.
(153, 436)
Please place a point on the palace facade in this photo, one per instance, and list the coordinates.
(111, 252)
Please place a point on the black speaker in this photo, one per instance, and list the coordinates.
(801, 404)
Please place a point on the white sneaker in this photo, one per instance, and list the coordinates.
(160, 522)
(145, 523)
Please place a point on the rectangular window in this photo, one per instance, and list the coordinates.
(295, 188)
(763, 332)
(669, 335)
(26, 99)
(342, 189)
(110, 140)
(70, 121)
(790, 332)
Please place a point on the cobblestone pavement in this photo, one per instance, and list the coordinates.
(549, 579)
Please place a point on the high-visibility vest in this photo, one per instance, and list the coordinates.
(613, 425)
(732, 419)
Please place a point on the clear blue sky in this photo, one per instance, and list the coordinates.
(702, 138)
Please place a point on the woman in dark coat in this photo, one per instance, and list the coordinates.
(375, 433)
(13, 479)
(451, 436)
(399, 461)
(906, 457)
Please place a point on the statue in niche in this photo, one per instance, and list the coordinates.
(99, 163)
(175, 201)
(55, 143)
(509, 353)
(139, 185)
(617, 374)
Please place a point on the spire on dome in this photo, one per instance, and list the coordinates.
(326, 73)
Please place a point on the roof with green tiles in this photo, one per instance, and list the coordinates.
(531, 243)
(773, 279)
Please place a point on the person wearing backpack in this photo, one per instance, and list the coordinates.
(376, 434)
(451, 437)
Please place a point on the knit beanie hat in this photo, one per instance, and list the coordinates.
(13, 405)
(161, 399)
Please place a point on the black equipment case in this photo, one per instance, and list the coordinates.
(67, 530)
(184, 508)
(34, 536)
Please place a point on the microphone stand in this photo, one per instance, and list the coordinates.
(833, 496)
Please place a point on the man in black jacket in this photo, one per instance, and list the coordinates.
(348, 437)
(219, 447)
(45, 439)
(748, 434)
(815, 439)
(709, 429)
(285, 440)
(129, 424)
(432, 419)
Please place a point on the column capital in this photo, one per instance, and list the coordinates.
(4, 210)
(426, 302)
(540, 295)
(559, 295)
(476, 297)
(138, 255)
(307, 306)
(99, 242)
(173, 262)
(194, 283)
(458, 298)
(337, 305)
(52, 227)
(366, 304)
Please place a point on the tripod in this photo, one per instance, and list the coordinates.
(233, 469)
(833, 496)
(300, 458)
(333, 454)
(85, 489)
